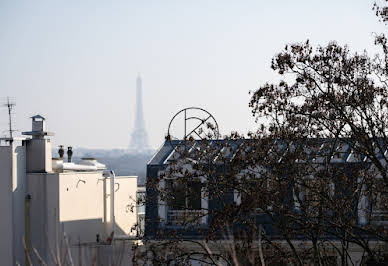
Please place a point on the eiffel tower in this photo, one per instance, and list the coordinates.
(139, 139)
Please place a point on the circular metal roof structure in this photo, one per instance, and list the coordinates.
(198, 124)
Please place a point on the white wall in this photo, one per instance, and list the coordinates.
(44, 206)
(78, 203)
(12, 194)
(125, 204)
(19, 186)
(39, 159)
(6, 229)
(82, 205)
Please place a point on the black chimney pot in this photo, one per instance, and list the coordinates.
(69, 153)
(61, 151)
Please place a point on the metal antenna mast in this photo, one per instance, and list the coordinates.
(10, 105)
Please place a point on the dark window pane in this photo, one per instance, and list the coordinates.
(178, 201)
(194, 195)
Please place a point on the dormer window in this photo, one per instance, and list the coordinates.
(185, 204)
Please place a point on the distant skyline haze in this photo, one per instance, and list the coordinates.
(76, 62)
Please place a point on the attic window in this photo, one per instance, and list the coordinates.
(186, 196)
(185, 203)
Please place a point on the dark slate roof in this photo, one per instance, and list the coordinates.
(166, 151)
(38, 117)
(343, 151)
(161, 155)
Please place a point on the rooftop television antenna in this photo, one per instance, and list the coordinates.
(9, 104)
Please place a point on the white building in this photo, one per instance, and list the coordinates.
(42, 199)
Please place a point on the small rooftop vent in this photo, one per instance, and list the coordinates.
(38, 123)
(38, 127)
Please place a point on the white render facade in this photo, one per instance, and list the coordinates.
(42, 199)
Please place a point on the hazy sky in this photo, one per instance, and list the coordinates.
(76, 62)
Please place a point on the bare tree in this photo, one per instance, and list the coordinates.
(308, 187)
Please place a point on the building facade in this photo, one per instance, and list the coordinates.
(172, 207)
(49, 202)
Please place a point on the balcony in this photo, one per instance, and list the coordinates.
(184, 217)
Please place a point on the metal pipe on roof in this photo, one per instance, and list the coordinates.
(58, 164)
(112, 202)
